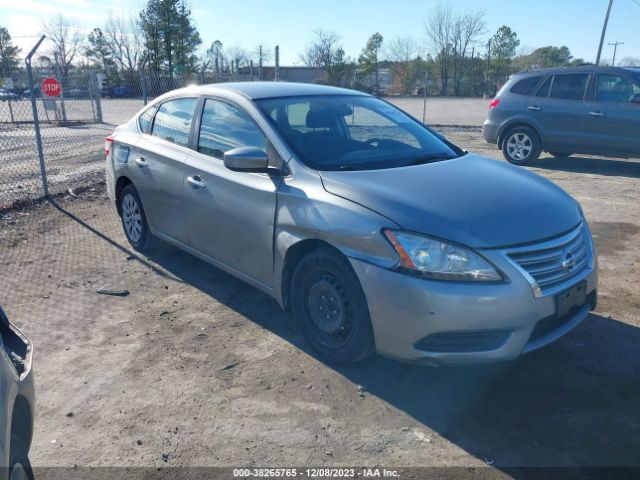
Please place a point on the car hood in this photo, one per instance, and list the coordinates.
(471, 200)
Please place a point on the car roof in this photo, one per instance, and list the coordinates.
(261, 90)
(579, 69)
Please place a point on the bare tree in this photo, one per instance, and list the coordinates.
(125, 40)
(402, 51)
(67, 39)
(322, 50)
(439, 27)
(466, 31)
(629, 62)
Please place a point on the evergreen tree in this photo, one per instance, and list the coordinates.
(8, 53)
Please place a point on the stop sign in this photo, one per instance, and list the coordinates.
(50, 87)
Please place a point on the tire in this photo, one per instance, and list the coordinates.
(19, 465)
(324, 284)
(134, 220)
(521, 145)
(560, 154)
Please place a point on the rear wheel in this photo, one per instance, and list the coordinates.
(330, 307)
(134, 221)
(521, 146)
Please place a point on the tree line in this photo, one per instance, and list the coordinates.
(456, 55)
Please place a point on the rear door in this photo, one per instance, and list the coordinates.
(157, 167)
(613, 122)
(559, 109)
(230, 215)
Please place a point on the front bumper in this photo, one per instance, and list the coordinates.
(419, 320)
(17, 352)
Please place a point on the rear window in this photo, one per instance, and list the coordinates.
(569, 87)
(145, 119)
(173, 120)
(525, 86)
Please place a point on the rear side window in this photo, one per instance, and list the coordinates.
(569, 87)
(543, 91)
(173, 120)
(225, 127)
(525, 86)
(145, 119)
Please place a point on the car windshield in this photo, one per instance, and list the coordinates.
(342, 132)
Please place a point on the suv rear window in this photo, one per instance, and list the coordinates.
(525, 86)
(569, 87)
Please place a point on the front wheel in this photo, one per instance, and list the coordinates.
(330, 307)
(521, 146)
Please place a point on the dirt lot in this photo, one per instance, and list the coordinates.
(197, 368)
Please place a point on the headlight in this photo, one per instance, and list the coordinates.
(439, 260)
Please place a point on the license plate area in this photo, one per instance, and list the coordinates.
(574, 297)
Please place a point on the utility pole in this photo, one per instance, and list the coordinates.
(604, 32)
(260, 64)
(276, 73)
(615, 50)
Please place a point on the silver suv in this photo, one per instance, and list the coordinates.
(588, 110)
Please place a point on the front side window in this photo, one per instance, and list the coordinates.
(616, 89)
(569, 87)
(344, 132)
(525, 86)
(173, 120)
(225, 127)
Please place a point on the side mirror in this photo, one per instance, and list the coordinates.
(247, 159)
(636, 98)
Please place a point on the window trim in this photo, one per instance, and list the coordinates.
(159, 105)
(196, 126)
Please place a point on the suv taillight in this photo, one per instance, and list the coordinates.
(108, 143)
(494, 103)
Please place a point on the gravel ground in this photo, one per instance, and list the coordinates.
(196, 368)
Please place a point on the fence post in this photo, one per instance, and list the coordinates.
(59, 75)
(36, 123)
(143, 80)
(98, 95)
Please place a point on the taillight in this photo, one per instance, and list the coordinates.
(108, 143)
(494, 103)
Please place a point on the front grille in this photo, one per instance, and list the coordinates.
(552, 264)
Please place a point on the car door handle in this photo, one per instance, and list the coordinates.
(534, 108)
(141, 162)
(596, 114)
(196, 182)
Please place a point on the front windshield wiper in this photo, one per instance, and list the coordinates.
(434, 157)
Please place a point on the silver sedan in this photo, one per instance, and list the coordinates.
(376, 232)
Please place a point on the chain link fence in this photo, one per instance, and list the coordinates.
(55, 144)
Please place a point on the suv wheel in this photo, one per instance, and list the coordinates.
(521, 146)
(134, 221)
(329, 305)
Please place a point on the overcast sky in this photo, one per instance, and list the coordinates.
(289, 23)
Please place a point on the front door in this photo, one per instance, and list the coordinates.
(613, 121)
(230, 215)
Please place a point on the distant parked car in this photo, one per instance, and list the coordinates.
(122, 92)
(17, 402)
(589, 110)
(78, 92)
(6, 95)
(375, 232)
(27, 93)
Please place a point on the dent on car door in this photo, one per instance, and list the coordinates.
(230, 215)
(157, 167)
(559, 109)
(613, 121)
